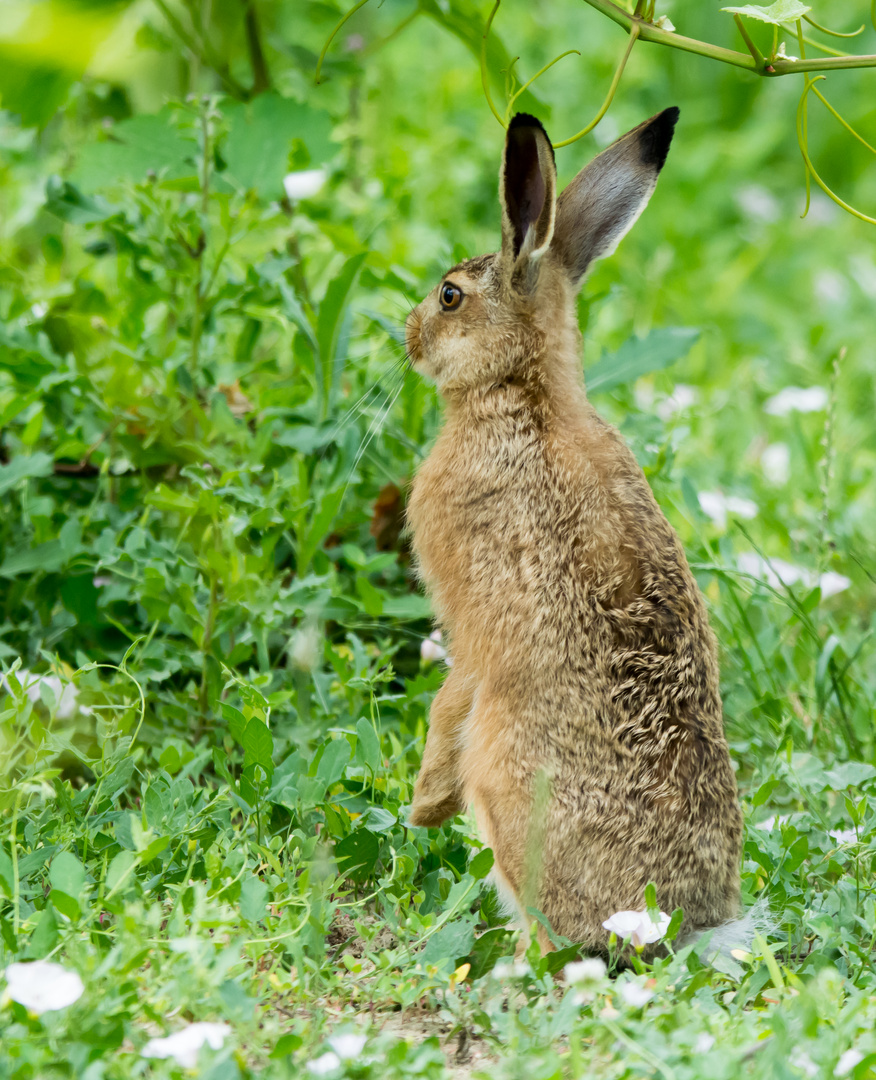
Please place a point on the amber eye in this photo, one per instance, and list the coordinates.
(450, 296)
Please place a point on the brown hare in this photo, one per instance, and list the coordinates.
(581, 717)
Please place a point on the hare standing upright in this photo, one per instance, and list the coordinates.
(581, 717)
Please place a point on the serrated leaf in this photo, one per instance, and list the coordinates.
(783, 11)
(640, 356)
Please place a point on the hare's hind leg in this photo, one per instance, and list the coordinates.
(438, 792)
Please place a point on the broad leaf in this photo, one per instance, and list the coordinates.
(783, 11)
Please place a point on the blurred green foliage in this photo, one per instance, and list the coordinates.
(214, 700)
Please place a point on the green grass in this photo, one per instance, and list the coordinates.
(207, 432)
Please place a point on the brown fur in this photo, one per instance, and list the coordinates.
(581, 647)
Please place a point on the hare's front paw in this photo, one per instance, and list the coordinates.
(430, 810)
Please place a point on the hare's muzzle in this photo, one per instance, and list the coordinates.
(413, 345)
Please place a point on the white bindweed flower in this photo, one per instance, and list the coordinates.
(591, 969)
(638, 927)
(771, 822)
(681, 398)
(717, 506)
(431, 649)
(848, 1060)
(635, 995)
(758, 203)
(802, 1061)
(510, 969)
(301, 185)
(704, 1043)
(326, 1063)
(64, 694)
(185, 1045)
(831, 287)
(777, 572)
(41, 986)
(347, 1046)
(776, 463)
(797, 399)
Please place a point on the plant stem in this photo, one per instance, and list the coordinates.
(261, 79)
(648, 32)
(634, 37)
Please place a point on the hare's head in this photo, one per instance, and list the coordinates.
(490, 319)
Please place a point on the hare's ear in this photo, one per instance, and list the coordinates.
(602, 203)
(527, 190)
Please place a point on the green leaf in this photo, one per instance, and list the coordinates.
(21, 467)
(639, 356)
(147, 144)
(453, 942)
(333, 761)
(357, 854)
(490, 947)
(481, 864)
(45, 936)
(119, 868)
(47, 557)
(258, 746)
(367, 745)
(260, 136)
(783, 11)
(67, 202)
(236, 722)
(329, 323)
(67, 873)
(253, 896)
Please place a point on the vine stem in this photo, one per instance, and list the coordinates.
(649, 32)
(333, 34)
(634, 37)
(485, 82)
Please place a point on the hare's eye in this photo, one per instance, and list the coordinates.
(450, 296)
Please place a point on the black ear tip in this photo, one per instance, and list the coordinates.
(523, 119)
(657, 136)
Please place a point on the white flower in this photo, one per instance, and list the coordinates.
(591, 969)
(64, 694)
(704, 1043)
(635, 995)
(777, 572)
(802, 1061)
(848, 1061)
(431, 649)
(184, 1045)
(638, 927)
(325, 1064)
(663, 22)
(797, 399)
(844, 836)
(681, 398)
(772, 822)
(758, 203)
(510, 969)
(776, 463)
(41, 986)
(301, 185)
(717, 506)
(831, 287)
(347, 1046)
(305, 648)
